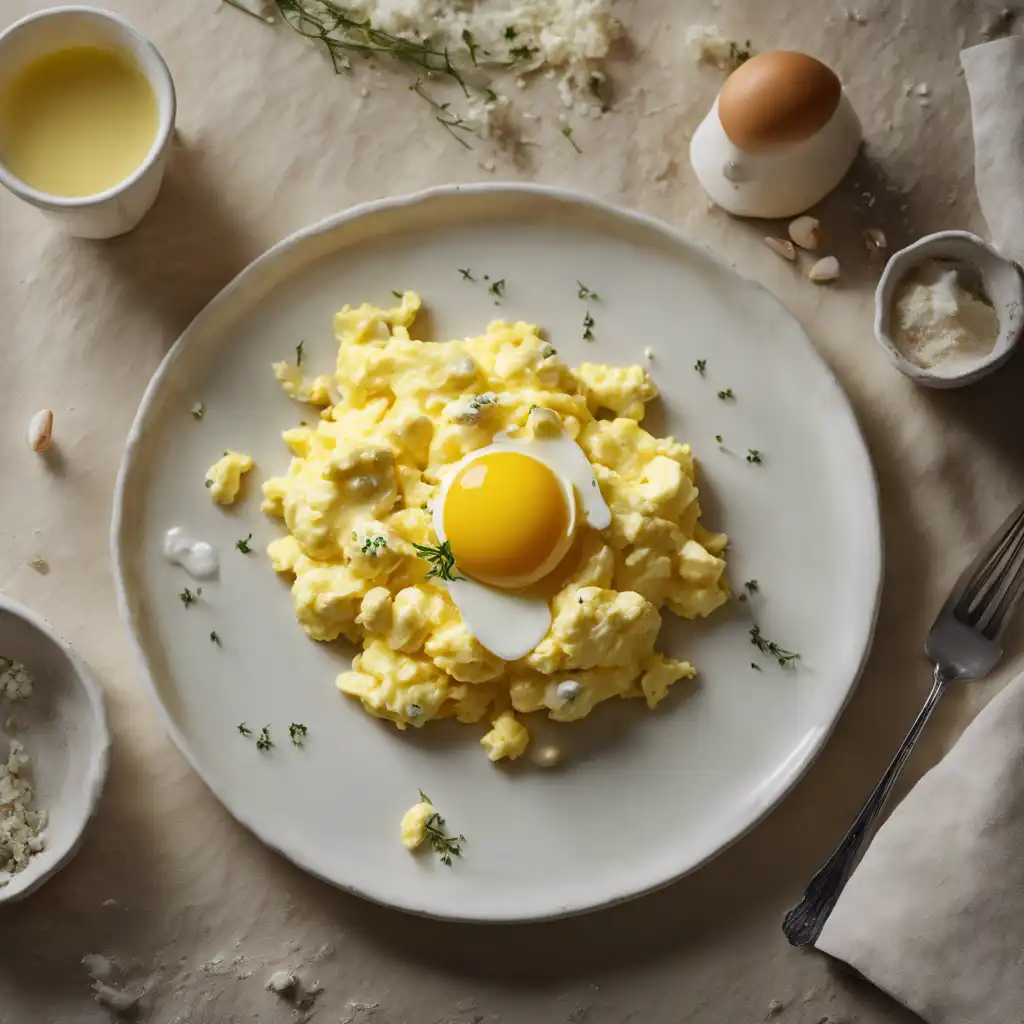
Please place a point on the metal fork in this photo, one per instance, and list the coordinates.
(963, 644)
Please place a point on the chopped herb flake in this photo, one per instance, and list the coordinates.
(586, 293)
(263, 741)
(244, 729)
(780, 654)
(243, 545)
(215, 639)
(299, 353)
(397, 295)
(718, 439)
(298, 732)
(497, 288)
(186, 597)
(700, 366)
(467, 274)
(441, 560)
(751, 586)
(754, 456)
(567, 132)
(726, 394)
(754, 665)
(588, 327)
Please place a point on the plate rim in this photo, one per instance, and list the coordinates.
(788, 780)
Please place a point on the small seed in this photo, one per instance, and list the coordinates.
(807, 233)
(781, 247)
(40, 431)
(825, 270)
(875, 242)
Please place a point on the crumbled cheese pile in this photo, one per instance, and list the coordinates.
(20, 823)
(566, 38)
(940, 323)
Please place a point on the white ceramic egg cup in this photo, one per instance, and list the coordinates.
(120, 208)
(63, 727)
(1003, 283)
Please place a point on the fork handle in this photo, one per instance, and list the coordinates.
(803, 924)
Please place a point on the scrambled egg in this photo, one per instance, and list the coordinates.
(414, 824)
(224, 477)
(355, 502)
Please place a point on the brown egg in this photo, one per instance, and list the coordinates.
(777, 98)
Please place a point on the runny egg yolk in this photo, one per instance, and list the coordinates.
(505, 515)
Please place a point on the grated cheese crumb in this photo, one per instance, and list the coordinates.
(20, 823)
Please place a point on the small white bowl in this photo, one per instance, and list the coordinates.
(120, 208)
(1003, 283)
(63, 727)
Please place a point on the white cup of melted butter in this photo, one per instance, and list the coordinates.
(87, 110)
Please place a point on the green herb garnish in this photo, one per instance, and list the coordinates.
(244, 729)
(780, 654)
(718, 439)
(263, 741)
(754, 665)
(700, 366)
(186, 597)
(548, 351)
(588, 327)
(497, 288)
(467, 274)
(726, 394)
(198, 411)
(751, 586)
(215, 639)
(243, 545)
(397, 295)
(740, 54)
(753, 456)
(441, 560)
(585, 292)
(444, 845)
(373, 545)
(298, 353)
(567, 132)
(524, 53)
(239, 6)
(510, 32)
(298, 733)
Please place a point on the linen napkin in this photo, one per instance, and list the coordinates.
(934, 914)
(995, 80)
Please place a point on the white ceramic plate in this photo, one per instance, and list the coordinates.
(644, 797)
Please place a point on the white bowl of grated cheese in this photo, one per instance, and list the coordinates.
(949, 309)
(54, 748)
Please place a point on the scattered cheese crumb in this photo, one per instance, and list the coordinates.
(15, 682)
(709, 46)
(20, 824)
(281, 982)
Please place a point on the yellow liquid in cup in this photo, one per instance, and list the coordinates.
(77, 122)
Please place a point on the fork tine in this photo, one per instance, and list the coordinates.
(1008, 598)
(991, 586)
(989, 559)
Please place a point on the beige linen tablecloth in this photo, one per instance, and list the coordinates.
(183, 901)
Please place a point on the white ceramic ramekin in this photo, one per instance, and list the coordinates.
(120, 208)
(1002, 281)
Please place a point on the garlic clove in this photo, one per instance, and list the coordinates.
(781, 247)
(40, 431)
(825, 270)
(807, 233)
